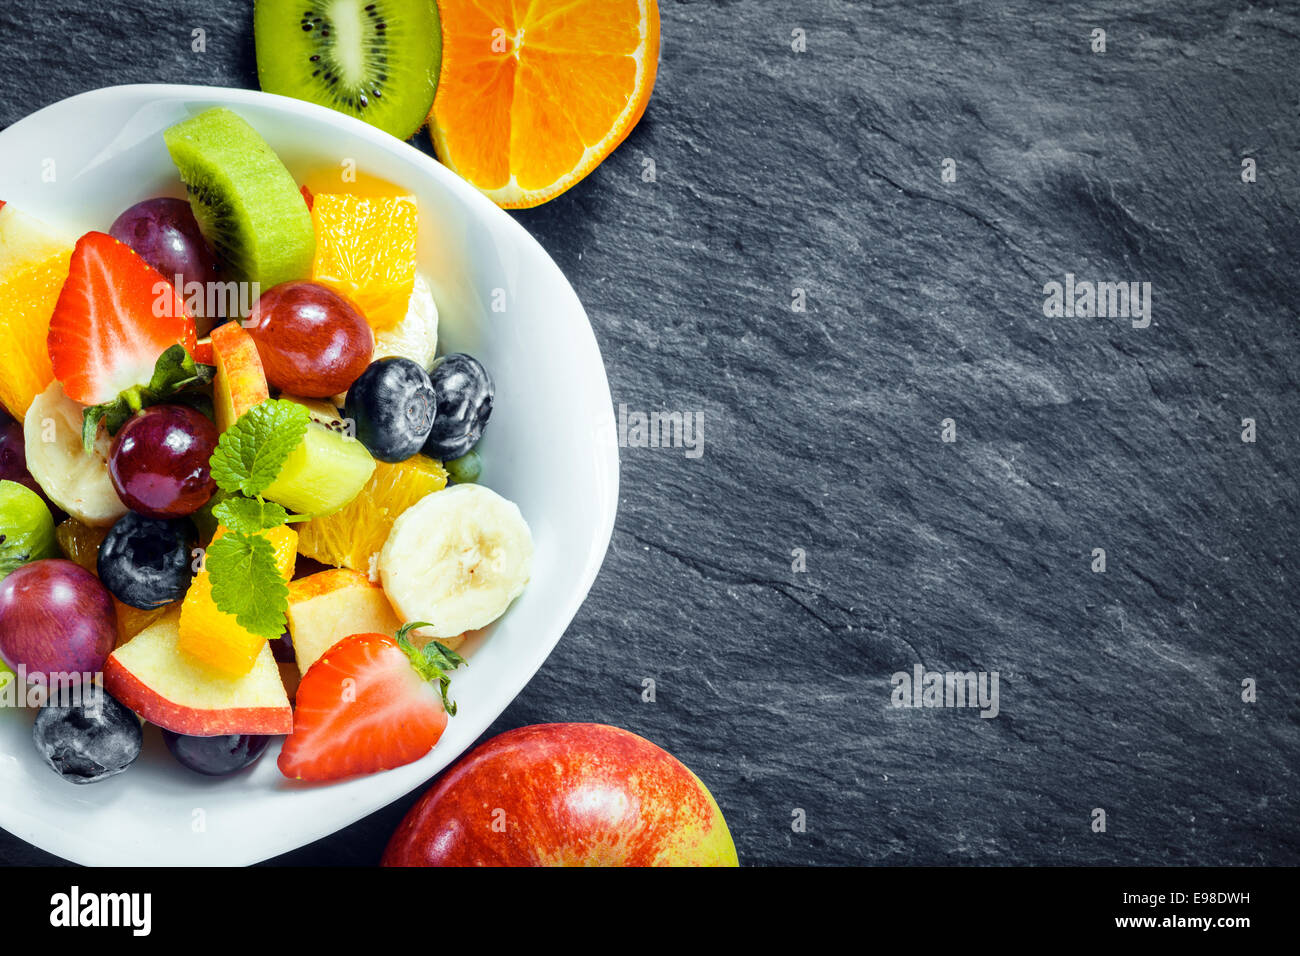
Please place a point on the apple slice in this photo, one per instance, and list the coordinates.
(240, 383)
(203, 353)
(155, 679)
(326, 607)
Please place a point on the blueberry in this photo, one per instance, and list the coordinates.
(89, 741)
(146, 562)
(392, 406)
(215, 756)
(464, 392)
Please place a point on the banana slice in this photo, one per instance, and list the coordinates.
(416, 336)
(75, 481)
(456, 559)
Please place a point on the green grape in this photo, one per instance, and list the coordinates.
(26, 528)
(466, 469)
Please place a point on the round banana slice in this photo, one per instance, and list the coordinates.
(75, 481)
(456, 559)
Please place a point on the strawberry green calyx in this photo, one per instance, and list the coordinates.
(175, 372)
(432, 661)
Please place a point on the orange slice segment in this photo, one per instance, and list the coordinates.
(534, 96)
(215, 637)
(352, 537)
(365, 249)
(33, 266)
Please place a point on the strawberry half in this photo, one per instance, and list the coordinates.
(115, 316)
(370, 703)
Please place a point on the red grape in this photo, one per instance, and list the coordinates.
(313, 342)
(159, 461)
(55, 618)
(13, 461)
(165, 234)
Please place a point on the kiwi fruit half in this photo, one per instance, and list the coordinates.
(377, 60)
(247, 204)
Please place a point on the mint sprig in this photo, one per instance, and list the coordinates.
(247, 583)
(241, 563)
(252, 451)
(174, 372)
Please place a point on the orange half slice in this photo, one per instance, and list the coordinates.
(534, 96)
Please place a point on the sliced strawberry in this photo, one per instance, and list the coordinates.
(370, 703)
(114, 317)
(306, 195)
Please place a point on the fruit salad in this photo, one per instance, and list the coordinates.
(240, 489)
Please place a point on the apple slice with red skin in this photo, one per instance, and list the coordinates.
(165, 686)
(565, 795)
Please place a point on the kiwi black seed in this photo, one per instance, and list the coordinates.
(377, 61)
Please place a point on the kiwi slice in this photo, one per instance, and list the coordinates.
(247, 205)
(377, 60)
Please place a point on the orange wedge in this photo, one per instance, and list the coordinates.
(365, 249)
(352, 537)
(33, 266)
(215, 637)
(534, 96)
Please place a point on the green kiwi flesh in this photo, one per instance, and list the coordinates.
(377, 60)
(247, 204)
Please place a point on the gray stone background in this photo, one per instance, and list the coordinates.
(820, 170)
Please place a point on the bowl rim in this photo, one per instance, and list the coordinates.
(34, 829)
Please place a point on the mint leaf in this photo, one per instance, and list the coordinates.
(176, 369)
(247, 583)
(252, 451)
(249, 515)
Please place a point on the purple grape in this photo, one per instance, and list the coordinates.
(160, 461)
(164, 233)
(13, 454)
(13, 461)
(55, 617)
(282, 648)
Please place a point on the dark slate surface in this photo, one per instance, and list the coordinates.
(778, 170)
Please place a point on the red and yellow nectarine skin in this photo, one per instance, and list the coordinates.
(241, 382)
(565, 795)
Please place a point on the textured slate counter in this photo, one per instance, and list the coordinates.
(923, 301)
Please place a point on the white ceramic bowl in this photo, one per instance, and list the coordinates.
(550, 448)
